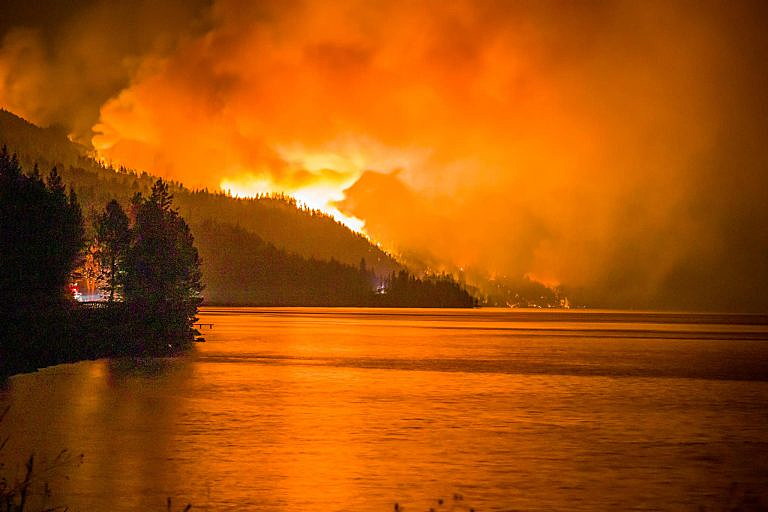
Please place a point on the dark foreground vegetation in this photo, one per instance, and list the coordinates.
(147, 265)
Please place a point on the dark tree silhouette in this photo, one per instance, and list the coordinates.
(41, 243)
(41, 234)
(113, 238)
(162, 274)
(403, 289)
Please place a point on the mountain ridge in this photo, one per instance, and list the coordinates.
(278, 219)
(306, 242)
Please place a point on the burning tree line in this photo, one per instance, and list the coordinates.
(149, 272)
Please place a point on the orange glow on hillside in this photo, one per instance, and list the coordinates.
(317, 197)
(315, 179)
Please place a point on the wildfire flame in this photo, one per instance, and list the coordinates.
(319, 197)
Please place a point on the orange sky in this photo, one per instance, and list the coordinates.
(613, 146)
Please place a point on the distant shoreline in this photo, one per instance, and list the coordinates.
(572, 313)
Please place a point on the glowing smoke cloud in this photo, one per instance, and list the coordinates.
(617, 148)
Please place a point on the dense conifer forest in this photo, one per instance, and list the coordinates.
(152, 281)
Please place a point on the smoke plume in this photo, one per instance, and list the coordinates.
(615, 148)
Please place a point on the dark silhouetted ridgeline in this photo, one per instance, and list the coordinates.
(260, 274)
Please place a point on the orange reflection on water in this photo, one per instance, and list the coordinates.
(315, 409)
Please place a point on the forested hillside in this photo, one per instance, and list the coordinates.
(261, 251)
(276, 219)
(259, 273)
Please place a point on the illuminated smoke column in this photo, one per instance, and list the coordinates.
(616, 147)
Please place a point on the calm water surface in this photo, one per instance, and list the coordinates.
(356, 409)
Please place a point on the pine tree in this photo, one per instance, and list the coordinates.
(41, 234)
(113, 239)
(163, 281)
(41, 242)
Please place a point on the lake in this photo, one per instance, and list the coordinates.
(358, 409)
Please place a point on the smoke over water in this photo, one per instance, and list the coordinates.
(616, 148)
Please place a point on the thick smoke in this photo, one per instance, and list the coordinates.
(60, 61)
(616, 148)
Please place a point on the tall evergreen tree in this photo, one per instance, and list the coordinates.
(113, 238)
(41, 234)
(163, 281)
(41, 242)
(61, 225)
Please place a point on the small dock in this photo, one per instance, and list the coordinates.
(200, 339)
